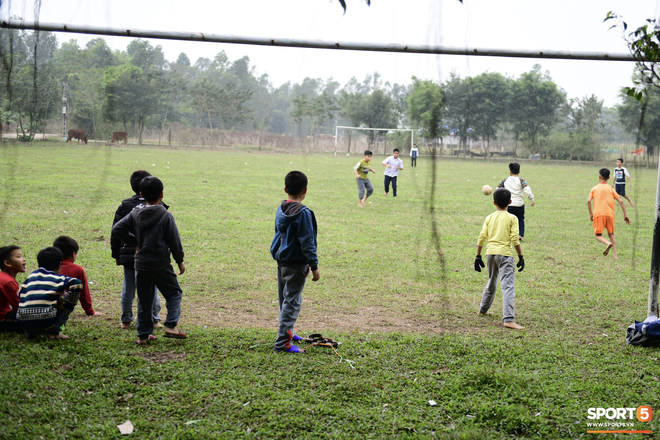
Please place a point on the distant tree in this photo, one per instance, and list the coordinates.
(350, 104)
(376, 111)
(647, 128)
(426, 105)
(459, 101)
(535, 104)
(490, 105)
(146, 56)
(315, 110)
(131, 95)
(183, 60)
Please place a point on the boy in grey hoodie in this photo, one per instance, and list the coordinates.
(151, 229)
(294, 248)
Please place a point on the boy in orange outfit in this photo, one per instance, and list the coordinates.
(602, 215)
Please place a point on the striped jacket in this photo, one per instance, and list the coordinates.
(41, 291)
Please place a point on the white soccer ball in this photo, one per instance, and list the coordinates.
(487, 190)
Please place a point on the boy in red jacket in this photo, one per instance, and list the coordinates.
(70, 248)
(12, 262)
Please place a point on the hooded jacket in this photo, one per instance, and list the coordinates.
(294, 243)
(153, 231)
(125, 254)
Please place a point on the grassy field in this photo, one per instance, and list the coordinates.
(405, 314)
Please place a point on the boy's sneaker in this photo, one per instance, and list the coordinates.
(292, 349)
(296, 338)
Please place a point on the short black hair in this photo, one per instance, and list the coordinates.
(514, 167)
(136, 178)
(5, 254)
(621, 159)
(396, 150)
(604, 173)
(414, 145)
(151, 187)
(67, 245)
(502, 197)
(50, 258)
(368, 153)
(295, 182)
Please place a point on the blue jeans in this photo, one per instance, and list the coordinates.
(166, 281)
(128, 294)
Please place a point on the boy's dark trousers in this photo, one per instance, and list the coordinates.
(168, 284)
(290, 284)
(389, 179)
(519, 211)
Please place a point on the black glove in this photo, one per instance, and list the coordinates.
(478, 263)
(521, 264)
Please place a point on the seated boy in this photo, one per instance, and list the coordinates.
(47, 298)
(294, 249)
(70, 248)
(12, 262)
(153, 232)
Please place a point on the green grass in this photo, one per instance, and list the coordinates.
(408, 328)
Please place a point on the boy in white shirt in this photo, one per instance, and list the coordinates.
(518, 188)
(392, 166)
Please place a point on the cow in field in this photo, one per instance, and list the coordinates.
(74, 133)
(118, 136)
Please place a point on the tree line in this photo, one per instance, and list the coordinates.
(138, 88)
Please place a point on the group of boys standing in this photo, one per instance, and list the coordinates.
(43, 303)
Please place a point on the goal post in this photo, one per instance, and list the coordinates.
(412, 133)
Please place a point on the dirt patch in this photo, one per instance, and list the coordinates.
(163, 356)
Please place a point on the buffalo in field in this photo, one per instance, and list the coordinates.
(74, 133)
(119, 136)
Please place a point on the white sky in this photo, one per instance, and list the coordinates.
(575, 25)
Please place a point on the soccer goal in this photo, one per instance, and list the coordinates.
(350, 130)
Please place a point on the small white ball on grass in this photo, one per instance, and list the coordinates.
(487, 190)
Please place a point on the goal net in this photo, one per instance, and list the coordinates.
(379, 140)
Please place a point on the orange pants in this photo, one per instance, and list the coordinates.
(602, 223)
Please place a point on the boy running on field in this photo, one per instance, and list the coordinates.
(500, 229)
(619, 184)
(392, 166)
(362, 177)
(602, 215)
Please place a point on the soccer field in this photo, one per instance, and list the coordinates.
(403, 307)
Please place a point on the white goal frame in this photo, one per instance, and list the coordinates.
(412, 133)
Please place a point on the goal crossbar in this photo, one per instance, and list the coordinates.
(412, 132)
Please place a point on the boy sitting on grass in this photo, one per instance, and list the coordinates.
(294, 248)
(47, 298)
(12, 262)
(602, 214)
(500, 229)
(153, 232)
(70, 248)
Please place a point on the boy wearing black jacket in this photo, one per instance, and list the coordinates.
(125, 256)
(153, 232)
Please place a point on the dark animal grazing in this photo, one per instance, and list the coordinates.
(120, 136)
(74, 133)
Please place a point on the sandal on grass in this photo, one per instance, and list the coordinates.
(179, 335)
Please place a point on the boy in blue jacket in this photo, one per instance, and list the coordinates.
(294, 249)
